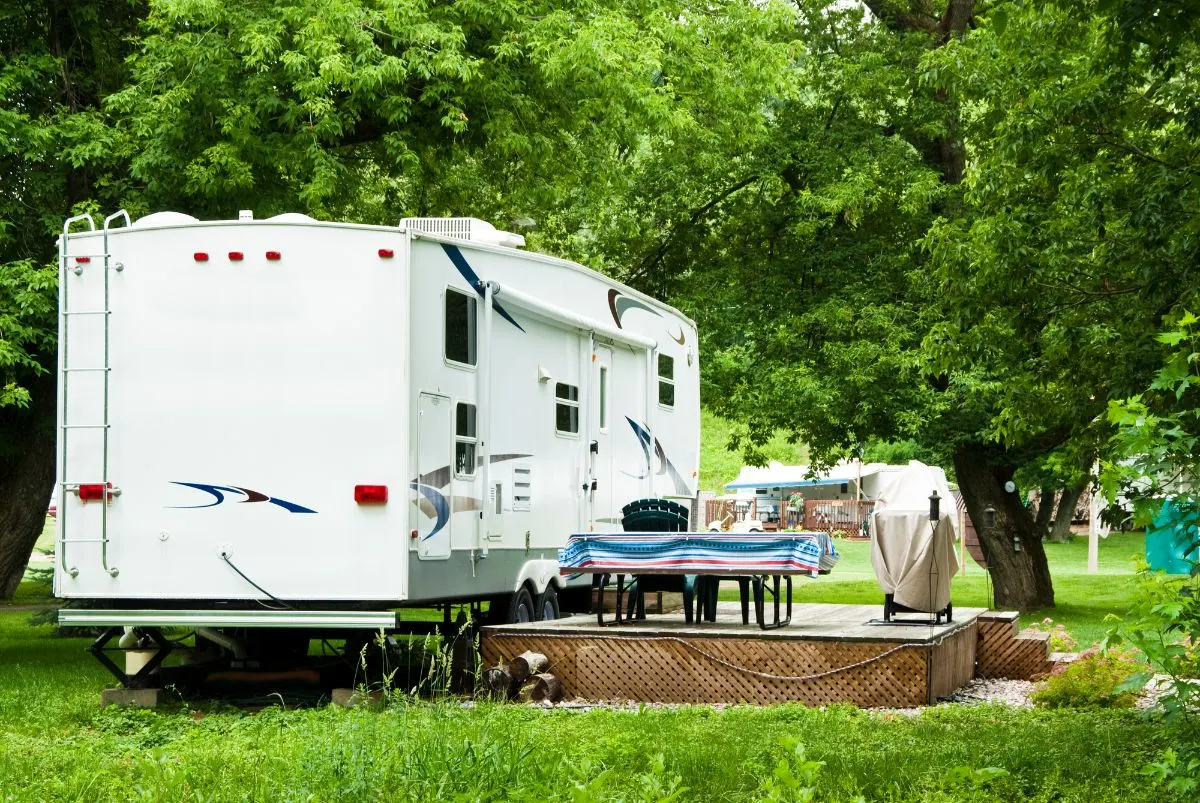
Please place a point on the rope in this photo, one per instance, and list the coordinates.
(727, 664)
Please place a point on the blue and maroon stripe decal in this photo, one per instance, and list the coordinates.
(464, 268)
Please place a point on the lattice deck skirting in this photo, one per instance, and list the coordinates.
(898, 668)
(1005, 651)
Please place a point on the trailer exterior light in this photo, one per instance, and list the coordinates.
(274, 256)
(83, 260)
(236, 256)
(200, 256)
(371, 494)
(386, 253)
(92, 492)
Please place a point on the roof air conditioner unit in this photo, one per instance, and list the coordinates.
(463, 228)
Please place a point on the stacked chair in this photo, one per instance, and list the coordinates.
(699, 592)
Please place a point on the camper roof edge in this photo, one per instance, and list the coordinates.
(297, 220)
(559, 261)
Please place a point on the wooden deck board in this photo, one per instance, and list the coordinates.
(810, 621)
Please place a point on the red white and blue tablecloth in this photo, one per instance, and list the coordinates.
(698, 553)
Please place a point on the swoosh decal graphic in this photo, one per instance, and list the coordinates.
(664, 464)
(467, 272)
(440, 505)
(440, 477)
(218, 494)
(252, 496)
(678, 339)
(434, 503)
(619, 304)
(217, 491)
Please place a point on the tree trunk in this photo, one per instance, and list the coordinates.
(1045, 509)
(1020, 576)
(1061, 533)
(26, 479)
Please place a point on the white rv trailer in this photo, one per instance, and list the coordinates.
(347, 418)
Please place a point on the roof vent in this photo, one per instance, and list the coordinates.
(463, 228)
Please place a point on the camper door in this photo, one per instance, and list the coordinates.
(434, 466)
(600, 459)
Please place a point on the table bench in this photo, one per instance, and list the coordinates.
(758, 561)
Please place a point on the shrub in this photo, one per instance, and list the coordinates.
(1165, 627)
(1061, 639)
(1097, 679)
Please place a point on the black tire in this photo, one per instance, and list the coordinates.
(547, 604)
(520, 607)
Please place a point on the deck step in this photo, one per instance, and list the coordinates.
(1006, 651)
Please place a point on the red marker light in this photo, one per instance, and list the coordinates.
(200, 256)
(83, 260)
(236, 256)
(370, 494)
(92, 492)
(413, 535)
(386, 253)
(274, 256)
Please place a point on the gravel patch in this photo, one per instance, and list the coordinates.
(1015, 693)
(1008, 692)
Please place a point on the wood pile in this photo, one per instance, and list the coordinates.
(524, 678)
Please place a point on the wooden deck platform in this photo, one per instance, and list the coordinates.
(828, 654)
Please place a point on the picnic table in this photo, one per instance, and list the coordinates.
(758, 561)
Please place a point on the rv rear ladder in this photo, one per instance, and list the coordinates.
(65, 372)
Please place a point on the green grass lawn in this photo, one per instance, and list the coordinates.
(57, 744)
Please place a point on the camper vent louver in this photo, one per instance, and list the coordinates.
(522, 488)
(463, 228)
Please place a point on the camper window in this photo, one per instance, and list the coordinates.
(603, 398)
(464, 440)
(566, 408)
(666, 380)
(460, 327)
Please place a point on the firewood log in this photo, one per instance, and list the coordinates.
(497, 683)
(546, 687)
(526, 665)
(539, 688)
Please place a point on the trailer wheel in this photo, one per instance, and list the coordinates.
(521, 609)
(547, 604)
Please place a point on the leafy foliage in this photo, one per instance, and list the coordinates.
(55, 64)
(369, 110)
(1156, 457)
(1156, 447)
(1096, 679)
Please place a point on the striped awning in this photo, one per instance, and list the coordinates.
(697, 553)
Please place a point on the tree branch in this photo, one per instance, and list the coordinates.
(654, 259)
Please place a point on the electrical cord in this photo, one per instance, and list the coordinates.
(225, 557)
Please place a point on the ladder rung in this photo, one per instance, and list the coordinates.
(84, 540)
(96, 256)
(85, 426)
(72, 370)
(88, 312)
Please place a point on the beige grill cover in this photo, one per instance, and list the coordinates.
(913, 560)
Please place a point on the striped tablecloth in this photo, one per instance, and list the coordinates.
(697, 553)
